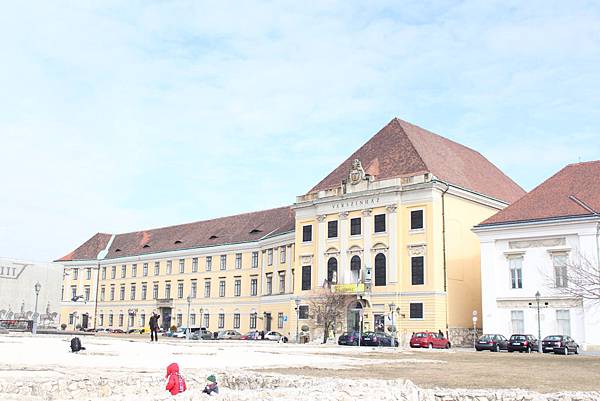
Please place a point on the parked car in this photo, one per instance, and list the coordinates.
(182, 332)
(522, 343)
(370, 338)
(202, 334)
(491, 342)
(559, 344)
(348, 338)
(427, 339)
(251, 335)
(117, 331)
(276, 336)
(229, 335)
(103, 331)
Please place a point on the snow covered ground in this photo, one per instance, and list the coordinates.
(122, 368)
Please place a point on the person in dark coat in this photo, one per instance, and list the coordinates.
(153, 323)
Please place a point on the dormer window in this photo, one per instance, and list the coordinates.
(117, 250)
(213, 237)
(255, 231)
(146, 246)
(178, 242)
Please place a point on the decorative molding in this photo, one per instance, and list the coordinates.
(321, 218)
(306, 260)
(391, 208)
(332, 252)
(416, 249)
(380, 247)
(367, 212)
(537, 243)
(523, 303)
(355, 250)
(357, 173)
(343, 215)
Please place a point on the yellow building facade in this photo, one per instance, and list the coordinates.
(390, 227)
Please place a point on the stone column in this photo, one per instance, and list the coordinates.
(321, 239)
(343, 263)
(367, 236)
(392, 264)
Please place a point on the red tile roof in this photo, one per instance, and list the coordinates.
(225, 230)
(569, 193)
(403, 149)
(89, 249)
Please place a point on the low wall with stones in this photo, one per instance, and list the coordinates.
(245, 386)
(463, 337)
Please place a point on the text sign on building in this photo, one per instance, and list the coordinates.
(356, 203)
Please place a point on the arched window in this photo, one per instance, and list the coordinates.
(332, 270)
(380, 269)
(355, 268)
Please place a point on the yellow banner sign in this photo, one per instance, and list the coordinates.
(349, 288)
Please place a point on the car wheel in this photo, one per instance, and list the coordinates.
(510, 350)
(576, 350)
(447, 345)
(430, 346)
(497, 348)
(478, 349)
(566, 350)
(285, 340)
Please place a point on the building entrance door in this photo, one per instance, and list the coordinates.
(84, 321)
(165, 317)
(354, 316)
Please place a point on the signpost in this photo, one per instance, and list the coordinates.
(474, 327)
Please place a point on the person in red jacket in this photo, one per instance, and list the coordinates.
(176, 382)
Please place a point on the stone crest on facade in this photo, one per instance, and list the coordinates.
(357, 172)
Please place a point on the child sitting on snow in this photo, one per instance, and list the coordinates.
(176, 382)
(212, 388)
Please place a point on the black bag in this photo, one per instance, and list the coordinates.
(76, 345)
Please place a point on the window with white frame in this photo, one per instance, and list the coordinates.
(134, 270)
(192, 319)
(253, 320)
(168, 291)
(559, 261)
(517, 320)
(563, 322)
(169, 266)
(111, 319)
(145, 270)
(103, 272)
(102, 294)
(144, 291)
(194, 265)
(237, 287)
(112, 292)
(88, 273)
(208, 263)
(236, 320)
(156, 268)
(75, 274)
(155, 291)
(238, 260)
(253, 286)
(113, 272)
(181, 265)
(223, 262)
(270, 256)
(254, 259)
(269, 283)
(282, 254)
(516, 271)
(416, 219)
(221, 288)
(281, 282)
(179, 319)
(86, 293)
(180, 289)
(206, 288)
(206, 320)
(221, 320)
(122, 292)
(194, 289)
(123, 271)
(280, 320)
(132, 291)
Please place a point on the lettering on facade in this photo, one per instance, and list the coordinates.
(355, 203)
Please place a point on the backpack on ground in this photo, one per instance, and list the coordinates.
(76, 345)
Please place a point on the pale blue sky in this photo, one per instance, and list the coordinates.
(119, 116)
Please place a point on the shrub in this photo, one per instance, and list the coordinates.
(63, 326)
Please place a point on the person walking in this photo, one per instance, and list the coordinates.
(154, 327)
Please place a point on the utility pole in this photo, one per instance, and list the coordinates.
(187, 332)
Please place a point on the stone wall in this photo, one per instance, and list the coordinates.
(463, 337)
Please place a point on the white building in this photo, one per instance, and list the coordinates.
(18, 279)
(533, 246)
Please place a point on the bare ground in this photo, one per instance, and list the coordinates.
(477, 370)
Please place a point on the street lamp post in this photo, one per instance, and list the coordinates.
(392, 308)
(537, 300)
(297, 301)
(37, 287)
(187, 332)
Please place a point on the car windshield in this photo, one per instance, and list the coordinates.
(518, 338)
(553, 338)
(486, 337)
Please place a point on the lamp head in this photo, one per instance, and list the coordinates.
(37, 287)
(297, 301)
(537, 294)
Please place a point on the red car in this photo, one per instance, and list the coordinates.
(427, 339)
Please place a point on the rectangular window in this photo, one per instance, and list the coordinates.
(379, 223)
(179, 319)
(143, 320)
(145, 270)
(155, 291)
(306, 233)
(416, 310)
(168, 291)
(208, 263)
(122, 293)
(355, 226)
(86, 293)
(104, 273)
(303, 312)
(88, 273)
(221, 320)
(236, 320)
(110, 319)
(517, 319)
(180, 290)
(280, 320)
(121, 320)
(238, 260)
(516, 272)
(101, 319)
(75, 274)
(192, 319)
(221, 288)
(254, 259)
(270, 256)
(417, 264)
(102, 293)
(112, 292)
(181, 266)
(560, 270)
(130, 321)
(223, 262)
(282, 254)
(194, 289)
(237, 289)
(169, 266)
(253, 287)
(206, 320)
(113, 272)
(144, 291)
(123, 271)
(281, 282)
(332, 229)
(253, 320)
(306, 278)
(207, 289)
(72, 318)
(563, 322)
(416, 219)
(156, 268)
(194, 265)
(269, 284)
(132, 292)
(134, 270)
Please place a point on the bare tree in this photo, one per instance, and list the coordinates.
(326, 307)
(578, 276)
